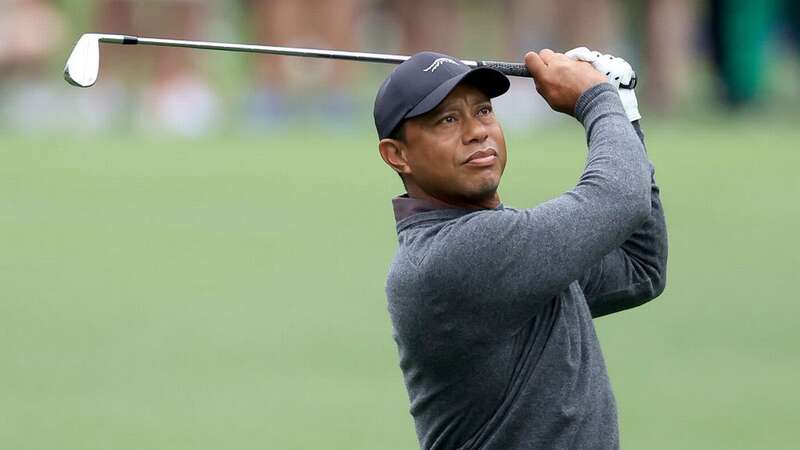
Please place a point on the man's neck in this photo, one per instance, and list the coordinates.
(487, 203)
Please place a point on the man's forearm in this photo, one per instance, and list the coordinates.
(636, 272)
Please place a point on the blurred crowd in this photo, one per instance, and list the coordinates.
(670, 42)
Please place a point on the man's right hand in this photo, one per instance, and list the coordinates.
(560, 80)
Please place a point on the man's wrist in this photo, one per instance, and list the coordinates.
(598, 99)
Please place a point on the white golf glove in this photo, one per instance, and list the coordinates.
(619, 73)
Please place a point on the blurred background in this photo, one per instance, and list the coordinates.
(193, 251)
(705, 57)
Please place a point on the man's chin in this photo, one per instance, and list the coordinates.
(487, 189)
(482, 194)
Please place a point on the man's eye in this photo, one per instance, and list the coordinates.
(486, 110)
(448, 119)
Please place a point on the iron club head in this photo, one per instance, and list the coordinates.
(83, 64)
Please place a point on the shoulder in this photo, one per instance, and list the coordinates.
(475, 234)
(430, 250)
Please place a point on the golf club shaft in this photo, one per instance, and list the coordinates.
(507, 68)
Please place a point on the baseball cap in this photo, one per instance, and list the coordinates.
(420, 83)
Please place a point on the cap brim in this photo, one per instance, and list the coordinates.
(488, 80)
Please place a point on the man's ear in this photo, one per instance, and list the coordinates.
(393, 153)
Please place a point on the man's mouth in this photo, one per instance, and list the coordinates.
(482, 158)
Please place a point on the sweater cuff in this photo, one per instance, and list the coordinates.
(596, 101)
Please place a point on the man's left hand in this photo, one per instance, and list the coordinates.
(619, 73)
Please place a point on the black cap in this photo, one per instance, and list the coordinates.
(419, 84)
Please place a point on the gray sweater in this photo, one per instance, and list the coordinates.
(492, 309)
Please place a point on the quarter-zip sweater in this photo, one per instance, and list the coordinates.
(492, 309)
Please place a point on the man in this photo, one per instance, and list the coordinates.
(492, 306)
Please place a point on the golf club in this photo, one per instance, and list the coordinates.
(83, 65)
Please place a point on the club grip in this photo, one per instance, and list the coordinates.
(521, 70)
(507, 68)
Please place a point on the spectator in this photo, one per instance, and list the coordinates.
(30, 31)
(302, 23)
(178, 98)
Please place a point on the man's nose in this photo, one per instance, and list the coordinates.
(475, 131)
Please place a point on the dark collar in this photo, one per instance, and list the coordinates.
(405, 207)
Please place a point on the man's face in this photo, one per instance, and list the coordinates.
(457, 152)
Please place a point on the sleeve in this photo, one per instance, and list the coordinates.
(635, 272)
(503, 265)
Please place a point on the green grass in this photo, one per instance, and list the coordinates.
(228, 293)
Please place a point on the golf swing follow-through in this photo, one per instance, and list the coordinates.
(492, 307)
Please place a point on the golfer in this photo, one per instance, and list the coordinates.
(492, 306)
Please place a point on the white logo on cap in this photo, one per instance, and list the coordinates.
(439, 61)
